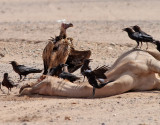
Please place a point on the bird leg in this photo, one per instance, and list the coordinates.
(141, 45)
(147, 45)
(24, 78)
(93, 92)
(20, 78)
(137, 45)
(83, 78)
(1, 89)
(45, 68)
(8, 91)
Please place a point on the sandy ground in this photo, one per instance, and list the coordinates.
(26, 26)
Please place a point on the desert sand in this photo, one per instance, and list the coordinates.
(26, 26)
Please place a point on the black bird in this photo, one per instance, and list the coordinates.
(134, 35)
(138, 29)
(146, 37)
(56, 71)
(7, 82)
(66, 75)
(69, 76)
(96, 76)
(85, 66)
(158, 45)
(23, 70)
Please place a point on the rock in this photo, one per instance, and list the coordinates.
(67, 118)
(112, 44)
(110, 48)
(2, 55)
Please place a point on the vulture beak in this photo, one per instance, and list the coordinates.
(10, 62)
(71, 25)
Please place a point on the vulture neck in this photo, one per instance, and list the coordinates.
(63, 33)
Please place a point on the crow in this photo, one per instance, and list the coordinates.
(70, 77)
(66, 75)
(134, 35)
(138, 29)
(158, 45)
(7, 82)
(96, 77)
(23, 70)
(145, 37)
(56, 71)
(85, 66)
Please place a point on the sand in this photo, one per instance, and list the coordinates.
(26, 26)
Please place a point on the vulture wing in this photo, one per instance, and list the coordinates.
(76, 58)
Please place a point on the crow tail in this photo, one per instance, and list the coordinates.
(35, 71)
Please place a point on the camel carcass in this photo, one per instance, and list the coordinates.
(134, 70)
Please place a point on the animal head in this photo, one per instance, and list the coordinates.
(5, 75)
(136, 28)
(66, 25)
(157, 42)
(13, 63)
(128, 30)
(158, 45)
